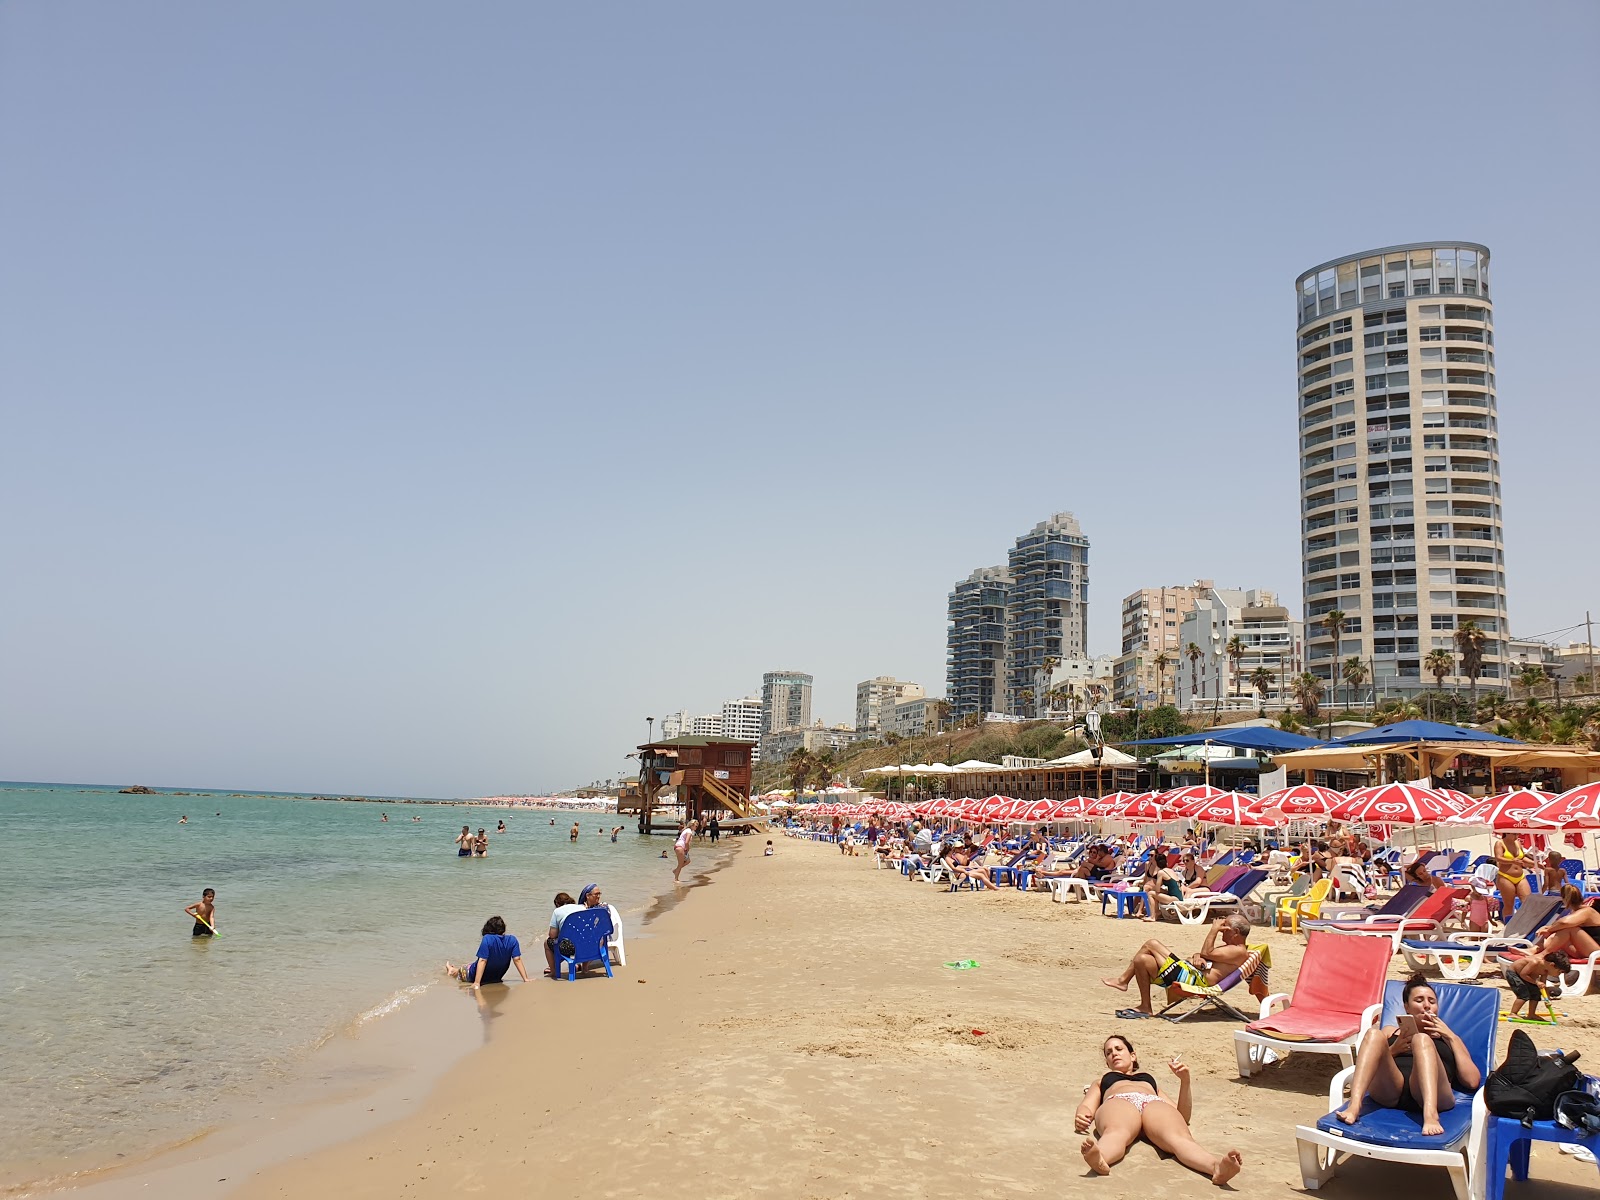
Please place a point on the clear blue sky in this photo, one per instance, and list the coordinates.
(411, 398)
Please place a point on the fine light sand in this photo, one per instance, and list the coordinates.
(787, 1029)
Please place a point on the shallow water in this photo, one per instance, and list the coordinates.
(120, 1032)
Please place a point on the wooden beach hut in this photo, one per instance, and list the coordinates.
(692, 777)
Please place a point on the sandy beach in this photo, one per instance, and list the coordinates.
(787, 1028)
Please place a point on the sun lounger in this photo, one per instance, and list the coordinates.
(1584, 970)
(1426, 920)
(1398, 905)
(1394, 1134)
(1336, 998)
(1461, 955)
(1197, 999)
(1197, 908)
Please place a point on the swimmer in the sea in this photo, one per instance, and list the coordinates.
(573, 836)
(502, 827)
(204, 914)
(183, 820)
(385, 818)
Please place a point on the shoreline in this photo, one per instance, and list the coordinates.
(794, 1032)
(371, 1070)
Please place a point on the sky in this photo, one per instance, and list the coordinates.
(412, 398)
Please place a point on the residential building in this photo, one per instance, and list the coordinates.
(975, 667)
(675, 725)
(776, 747)
(1399, 461)
(1575, 664)
(912, 717)
(1047, 616)
(1268, 638)
(1081, 683)
(1150, 621)
(741, 719)
(706, 725)
(878, 695)
(785, 700)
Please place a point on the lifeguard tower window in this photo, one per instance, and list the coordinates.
(689, 757)
(732, 758)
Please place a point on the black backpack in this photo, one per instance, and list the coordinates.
(1526, 1084)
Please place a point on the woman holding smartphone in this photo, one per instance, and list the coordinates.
(1417, 1064)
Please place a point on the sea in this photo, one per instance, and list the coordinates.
(121, 1033)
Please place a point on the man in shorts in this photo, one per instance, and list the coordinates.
(1155, 963)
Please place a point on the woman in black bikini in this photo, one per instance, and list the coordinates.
(1145, 1112)
(1418, 1064)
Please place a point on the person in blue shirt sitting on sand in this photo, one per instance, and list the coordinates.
(497, 953)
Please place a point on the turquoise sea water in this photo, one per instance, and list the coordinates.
(120, 1032)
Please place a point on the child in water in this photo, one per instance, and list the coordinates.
(204, 914)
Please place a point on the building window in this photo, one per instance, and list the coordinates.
(1421, 287)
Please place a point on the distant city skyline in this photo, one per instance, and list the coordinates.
(383, 384)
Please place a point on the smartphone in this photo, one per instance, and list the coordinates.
(1407, 1025)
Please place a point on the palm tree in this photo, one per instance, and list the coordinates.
(1193, 653)
(799, 768)
(822, 768)
(1308, 691)
(941, 713)
(1162, 661)
(1530, 678)
(1235, 651)
(1261, 680)
(1046, 670)
(1439, 663)
(1026, 696)
(1334, 624)
(1469, 644)
(1355, 674)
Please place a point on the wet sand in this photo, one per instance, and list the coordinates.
(789, 1030)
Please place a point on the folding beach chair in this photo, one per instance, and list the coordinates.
(1197, 999)
(1395, 1134)
(1337, 996)
(1461, 955)
(582, 939)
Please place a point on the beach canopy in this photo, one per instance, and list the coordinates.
(1418, 731)
(1302, 801)
(1395, 804)
(1575, 809)
(1265, 738)
(1110, 756)
(977, 764)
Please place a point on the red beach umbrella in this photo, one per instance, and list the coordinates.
(1505, 812)
(1395, 804)
(1578, 808)
(1232, 808)
(1070, 810)
(1107, 806)
(1302, 801)
(1146, 809)
(1039, 810)
(1184, 801)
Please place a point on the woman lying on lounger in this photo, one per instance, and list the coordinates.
(961, 859)
(1126, 1104)
(1417, 1064)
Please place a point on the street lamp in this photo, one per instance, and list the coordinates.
(1207, 749)
(650, 730)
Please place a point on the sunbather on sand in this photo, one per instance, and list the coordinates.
(1143, 1112)
(1414, 1065)
(1154, 962)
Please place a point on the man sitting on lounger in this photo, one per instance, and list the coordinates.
(1154, 962)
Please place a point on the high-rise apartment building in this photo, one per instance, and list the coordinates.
(1269, 641)
(876, 698)
(1399, 461)
(1048, 613)
(975, 666)
(785, 700)
(741, 719)
(1150, 621)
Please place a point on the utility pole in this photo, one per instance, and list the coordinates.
(1588, 637)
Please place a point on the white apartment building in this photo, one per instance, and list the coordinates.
(706, 725)
(1268, 636)
(878, 696)
(914, 717)
(1400, 462)
(1150, 621)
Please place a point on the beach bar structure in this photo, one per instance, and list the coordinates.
(1046, 781)
(691, 777)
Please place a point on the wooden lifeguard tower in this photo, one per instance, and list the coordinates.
(692, 777)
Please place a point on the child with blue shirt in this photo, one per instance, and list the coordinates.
(497, 953)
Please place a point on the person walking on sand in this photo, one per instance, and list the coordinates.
(715, 829)
(681, 847)
(464, 842)
(204, 914)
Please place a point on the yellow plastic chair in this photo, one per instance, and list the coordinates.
(1292, 908)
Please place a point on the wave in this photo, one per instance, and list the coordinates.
(395, 1002)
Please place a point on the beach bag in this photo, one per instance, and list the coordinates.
(1526, 1084)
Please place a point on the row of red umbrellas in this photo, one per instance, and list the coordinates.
(1398, 804)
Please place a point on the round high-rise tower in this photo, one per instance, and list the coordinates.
(1399, 465)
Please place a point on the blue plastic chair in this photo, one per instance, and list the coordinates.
(1395, 1134)
(587, 931)
(1507, 1145)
